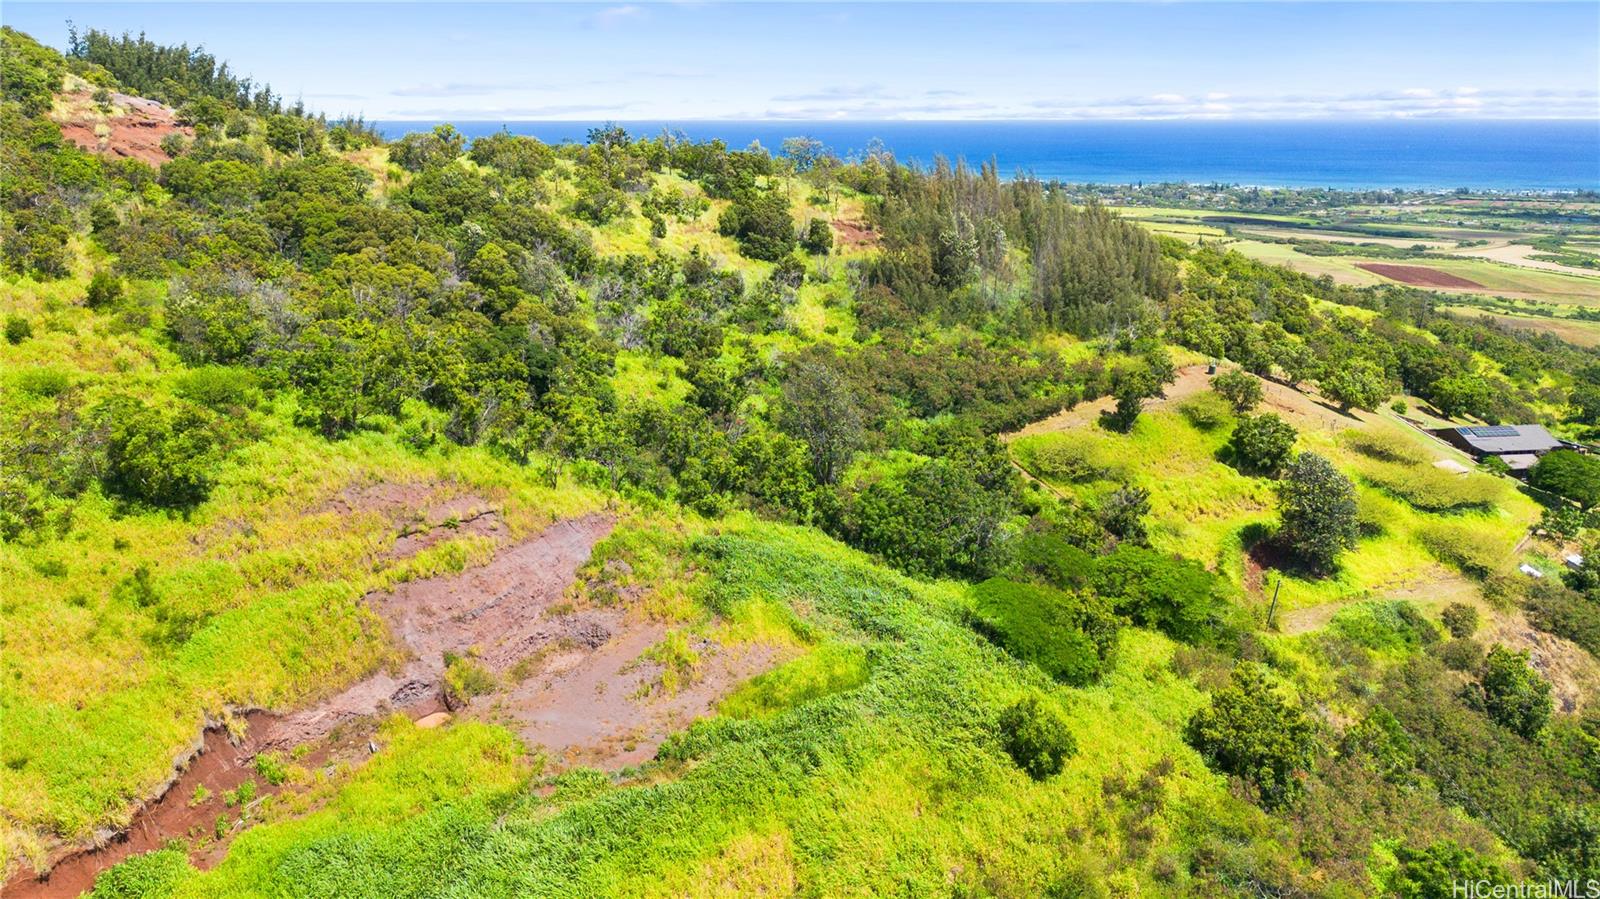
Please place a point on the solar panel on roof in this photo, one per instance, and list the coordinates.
(1493, 431)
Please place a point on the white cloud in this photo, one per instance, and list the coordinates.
(614, 16)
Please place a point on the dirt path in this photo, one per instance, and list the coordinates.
(1435, 590)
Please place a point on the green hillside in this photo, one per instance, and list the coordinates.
(643, 517)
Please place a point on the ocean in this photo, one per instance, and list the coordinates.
(1431, 155)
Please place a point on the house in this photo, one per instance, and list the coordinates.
(1574, 561)
(1519, 446)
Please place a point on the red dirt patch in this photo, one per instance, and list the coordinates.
(855, 234)
(216, 763)
(1416, 275)
(135, 132)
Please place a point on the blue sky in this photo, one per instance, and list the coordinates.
(699, 60)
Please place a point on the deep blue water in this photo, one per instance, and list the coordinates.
(1524, 155)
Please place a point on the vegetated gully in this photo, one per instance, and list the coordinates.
(503, 612)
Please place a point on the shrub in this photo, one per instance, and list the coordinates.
(1263, 443)
(1072, 457)
(818, 239)
(464, 679)
(1122, 513)
(1436, 872)
(104, 290)
(1034, 733)
(164, 456)
(1385, 446)
(1239, 388)
(761, 225)
(1460, 619)
(1566, 614)
(219, 388)
(932, 519)
(17, 329)
(1317, 505)
(1250, 732)
(1175, 595)
(1512, 693)
(1434, 489)
(1394, 625)
(1464, 654)
(1069, 636)
(1570, 474)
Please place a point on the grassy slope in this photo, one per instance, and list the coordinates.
(1203, 508)
(892, 786)
(95, 711)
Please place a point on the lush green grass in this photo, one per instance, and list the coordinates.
(870, 766)
(1205, 509)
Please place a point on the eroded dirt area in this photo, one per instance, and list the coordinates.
(575, 681)
(132, 127)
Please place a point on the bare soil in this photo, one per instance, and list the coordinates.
(498, 613)
(854, 234)
(1417, 275)
(133, 130)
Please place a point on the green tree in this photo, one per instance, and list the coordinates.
(1250, 732)
(1035, 734)
(1131, 388)
(1514, 694)
(1263, 442)
(161, 455)
(1317, 506)
(818, 240)
(933, 518)
(760, 222)
(821, 407)
(1241, 389)
(1355, 383)
(1569, 473)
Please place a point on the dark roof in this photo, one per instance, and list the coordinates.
(1499, 439)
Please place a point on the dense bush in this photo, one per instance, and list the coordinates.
(1317, 506)
(1512, 693)
(1071, 637)
(161, 455)
(933, 518)
(1035, 734)
(760, 223)
(1174, 595)
(1250, 732)
(1571, 474)
(1435, 871)
(1262, 443)
(1460, 619)
(1463, 546)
